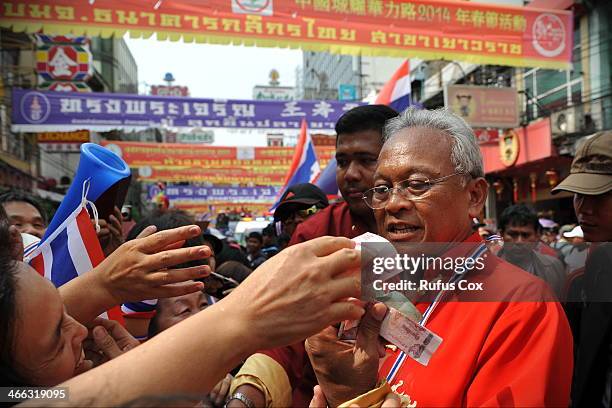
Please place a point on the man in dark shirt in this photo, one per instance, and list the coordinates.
(254, 243)
(519, 226)
(589, 305)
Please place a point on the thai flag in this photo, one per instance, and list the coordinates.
(140, 310)
(69, 251)
(304, 167)
(327, 179)
(396, 92)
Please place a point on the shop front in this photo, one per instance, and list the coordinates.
(522, 167)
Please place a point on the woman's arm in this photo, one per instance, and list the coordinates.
(293, 295)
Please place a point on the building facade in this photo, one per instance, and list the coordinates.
(333, 76)
(558, 109)
(24, 162)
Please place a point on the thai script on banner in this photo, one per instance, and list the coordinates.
(197, 163)
(173, 155)
(429, 29)
(217, 194)
(99, 111)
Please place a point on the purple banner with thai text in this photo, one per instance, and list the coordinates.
(62, 111)
(214, 193)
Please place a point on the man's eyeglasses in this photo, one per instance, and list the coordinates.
(377, 198)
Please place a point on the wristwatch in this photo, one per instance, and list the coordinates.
(242, 398)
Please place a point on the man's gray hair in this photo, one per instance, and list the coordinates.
(465, 153)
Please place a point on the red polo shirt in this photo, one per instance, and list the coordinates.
(512, 353)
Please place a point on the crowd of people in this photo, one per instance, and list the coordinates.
(210, 321)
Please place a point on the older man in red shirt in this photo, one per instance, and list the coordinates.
(514, 349)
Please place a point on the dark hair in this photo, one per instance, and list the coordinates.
(519, 215)
(8, 311)
(366, 117)
(255, 235)
(22, 196)
(235, 270)
(230, 253)
(283, 239)
(268, 231)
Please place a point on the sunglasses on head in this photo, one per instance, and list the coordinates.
(308, 211)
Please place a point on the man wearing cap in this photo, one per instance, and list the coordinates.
(576, 255)
(299, 202)
(284, 376)
(589, 307)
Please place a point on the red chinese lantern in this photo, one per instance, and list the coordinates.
(552, 176)
(533, 183)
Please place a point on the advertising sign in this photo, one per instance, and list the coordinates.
(483, 106)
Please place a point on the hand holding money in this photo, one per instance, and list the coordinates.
(347, 370)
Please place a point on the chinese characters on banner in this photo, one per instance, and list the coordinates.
(428, 29)
(61, 111)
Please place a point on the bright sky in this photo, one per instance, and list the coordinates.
(212, 71)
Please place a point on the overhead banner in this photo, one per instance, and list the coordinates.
(173, 155)
(483, 106)
(65, 111)
(258, 176)
(217, 193)
(173, 162)
(428, 29)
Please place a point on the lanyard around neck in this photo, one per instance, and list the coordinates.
(399, 361)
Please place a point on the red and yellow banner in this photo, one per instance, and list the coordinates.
(176, 162)
(428, 29)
